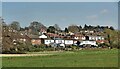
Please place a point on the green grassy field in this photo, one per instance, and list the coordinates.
(83, 58)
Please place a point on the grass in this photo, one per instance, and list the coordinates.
(83, 58)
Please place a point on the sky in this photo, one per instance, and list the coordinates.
(60, 0)
(62, 13)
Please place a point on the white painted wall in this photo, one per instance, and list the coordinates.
(83, 38)
(76, 37)
(48, 41)
(96, 38)
(59, 41)
(69, 42)
(43, 36)
(88, 42)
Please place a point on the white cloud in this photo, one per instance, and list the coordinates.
(104, 11)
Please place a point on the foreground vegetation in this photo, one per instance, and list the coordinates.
(82, 58)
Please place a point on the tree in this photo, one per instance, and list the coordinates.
(112, 37)
(22, 29)
(91, 27)
(48, 30)
(80, 27)
(85, 27)
(73, 28)
(36, 27)
(56, 26)
(15, 25)
(66, 30)
(51, 29)
(111, 28)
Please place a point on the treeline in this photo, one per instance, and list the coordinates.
(35, 27)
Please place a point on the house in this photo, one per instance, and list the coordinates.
(100, 41)
(36, 41)
(25, 32)
(56, 40)
(96, 38)
(69, 42)
(43, 36)
(92, 40)
(83, 38)
(48, 41)
(52, 35)
(71, 33)
(88, 42)
(77, 36)
(24, 38)
(42, 31)
(87, 31)
(59, 40)
(9, 29)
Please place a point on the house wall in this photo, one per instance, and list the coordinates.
(96, 38)
(43, 36)
(75, 42)
(76, 37)
(23, 39)
(83, 38)
(36, 42)
(59, 41)
(48, 41)
(69, 42)
(88, 42)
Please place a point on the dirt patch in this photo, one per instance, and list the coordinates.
(20, 55)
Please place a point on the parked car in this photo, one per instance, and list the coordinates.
(62, 45)
(55, 45)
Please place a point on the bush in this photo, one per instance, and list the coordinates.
(38, 49)
(13, 52)
(74, 47)
(49, 49)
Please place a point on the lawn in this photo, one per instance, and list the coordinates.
(82, 58)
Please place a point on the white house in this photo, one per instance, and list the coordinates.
(59, 41)
(71, 33)
(96, 38)
(69, 42)
(91, 31)
(43, 36)
(48, 41)
(23, 39)
(88, 43)
(76, 37)
(83, 38)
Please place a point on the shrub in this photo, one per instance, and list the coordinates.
(12, 52)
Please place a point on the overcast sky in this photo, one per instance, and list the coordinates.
(61, 13)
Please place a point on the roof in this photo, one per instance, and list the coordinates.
(43, 36)
(58, 39)
(33, 36)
